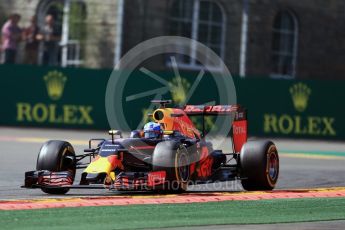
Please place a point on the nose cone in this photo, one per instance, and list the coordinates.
(101, 165)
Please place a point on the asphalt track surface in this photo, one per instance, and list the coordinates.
(330, 225)
(19, 148)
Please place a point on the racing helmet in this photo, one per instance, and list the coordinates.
(152, 130)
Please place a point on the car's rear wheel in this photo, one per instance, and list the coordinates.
(56, 156)
(173, 158)
(259, 162)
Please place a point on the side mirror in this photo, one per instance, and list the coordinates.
(115, 132)
(112, 133)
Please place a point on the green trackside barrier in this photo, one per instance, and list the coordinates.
(50, 97)
(75, 98)
(294, 109)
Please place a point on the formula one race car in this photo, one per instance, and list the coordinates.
(168, 155)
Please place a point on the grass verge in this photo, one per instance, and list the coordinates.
(174, 215)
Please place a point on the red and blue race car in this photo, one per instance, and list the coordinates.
(168, 158)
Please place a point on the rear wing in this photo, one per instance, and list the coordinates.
(209, 110)
(239, 125)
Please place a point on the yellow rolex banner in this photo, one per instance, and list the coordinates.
(53, 97)
(290, 108)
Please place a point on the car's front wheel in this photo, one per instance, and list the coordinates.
(173, 158)
(56, 156)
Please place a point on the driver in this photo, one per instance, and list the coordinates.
(152, 130)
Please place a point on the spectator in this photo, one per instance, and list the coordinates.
(31, 42)
(50, 35)
(11, 36)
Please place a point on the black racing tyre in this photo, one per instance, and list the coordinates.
(56, 156)
(259, 162)
(173, 158)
